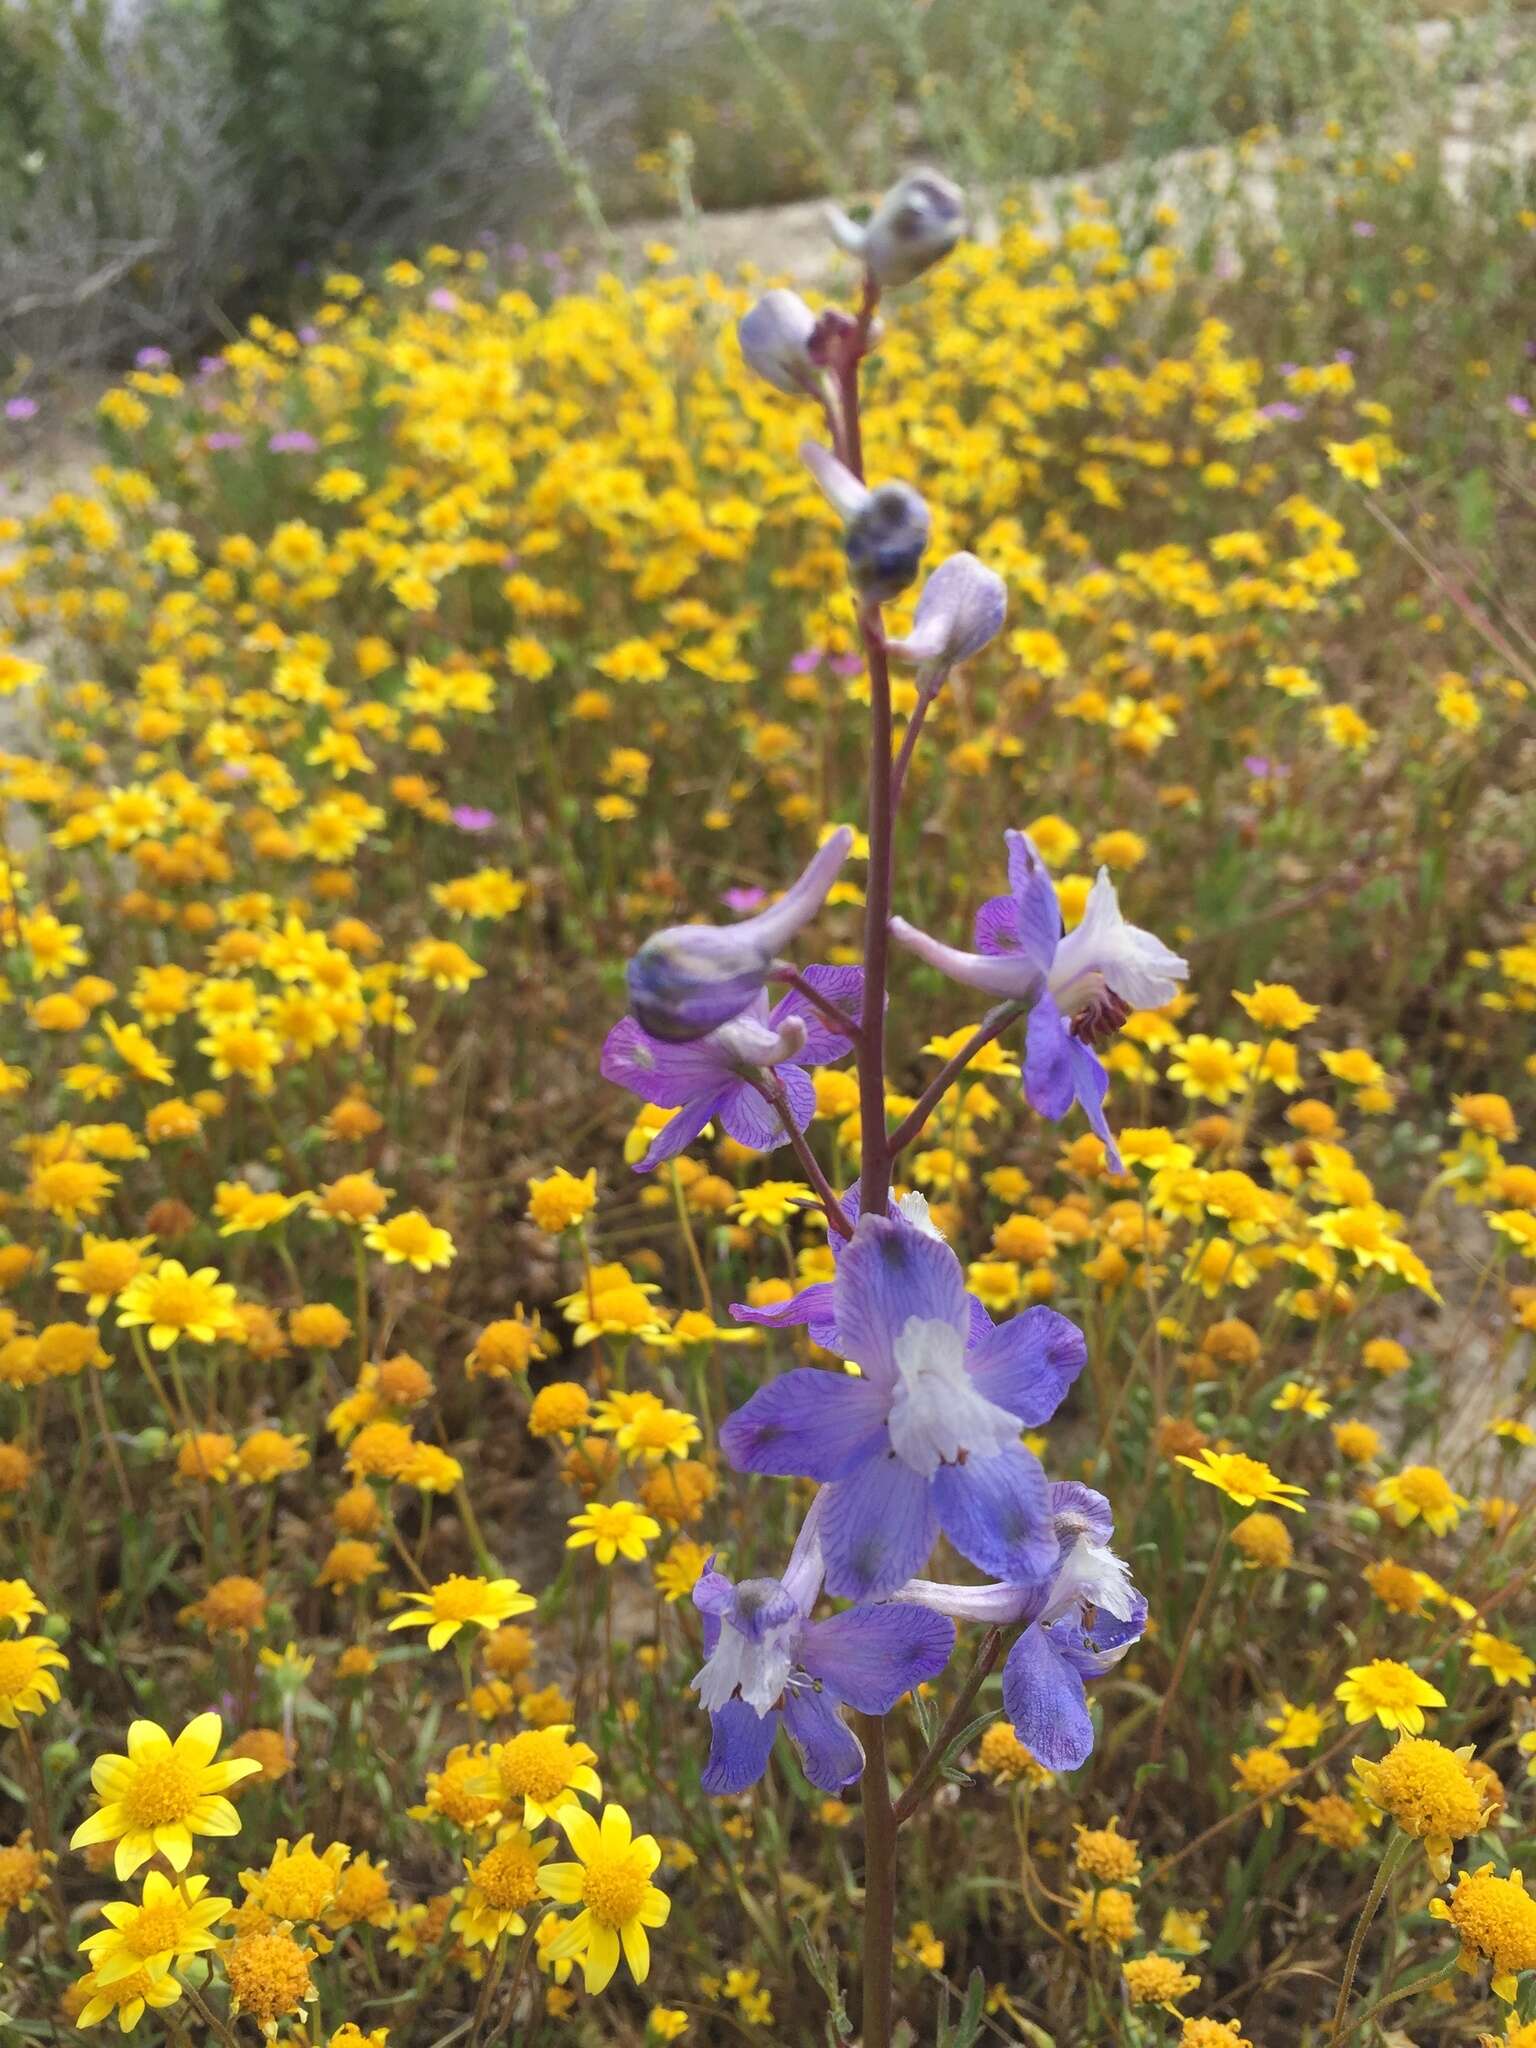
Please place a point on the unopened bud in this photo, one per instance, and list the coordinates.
(915, 225)
(775, 340)
(962, 606)
(885, 542)
(887, 527)
(690, 979)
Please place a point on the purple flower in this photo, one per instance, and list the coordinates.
(1079, 986)
(1518, 405)
(223, 439)
(152, 359)
(1363, 228)
(743, 900)
(1081, 1622)
(806, 662)
(470, 818)
(688, 980)
(21, 408)
(1281, 409)
(767, 1665)
(928, 1437)
(723, 1075)
(292, 441)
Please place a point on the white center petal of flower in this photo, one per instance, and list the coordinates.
(758, 1671)
(913, 1210)
(1106, 952)
(937, 1415)
(1092, 1576)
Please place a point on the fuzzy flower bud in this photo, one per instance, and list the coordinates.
(886, 528)
(962, 606)
(915, 225)
(690, 979)
(775, 340)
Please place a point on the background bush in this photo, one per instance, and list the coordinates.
(166, 164)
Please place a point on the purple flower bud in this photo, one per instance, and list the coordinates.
(962, 606)
(887, 527)
(885, 543)
(20, 408)
(915, 225)
(690, 979)
(774, 339)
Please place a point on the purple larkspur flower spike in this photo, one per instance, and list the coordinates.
(688, 980)
(723, 1075)
(928, 1436)
(1079, 984)
(769, 1666)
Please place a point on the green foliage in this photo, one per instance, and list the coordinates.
(340, 103)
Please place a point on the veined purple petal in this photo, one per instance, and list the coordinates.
(751, 1120)
(1090, 1084)
(997, 1512)
(830, 1752)
(1078, 1510)
(667, 1075)
(740, 1741)
(1044, 1699)
(878, 1528)
(870, 1656)
(811, 1305)
(843, 986)
(1034, 894)
(887, 1274)
(1027, 1364)
(1049, 1082)
(808, 1424)
(680, 1133)
(996, 930)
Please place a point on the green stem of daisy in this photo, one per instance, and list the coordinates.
(514, 1981)
(136, 1337)
(1181, 1658)
(360, 1308)
(1426, 1983)
(210, 2018)
(103, 1424)
(473, 1531)
(1373, 1899)
(685, 1224)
